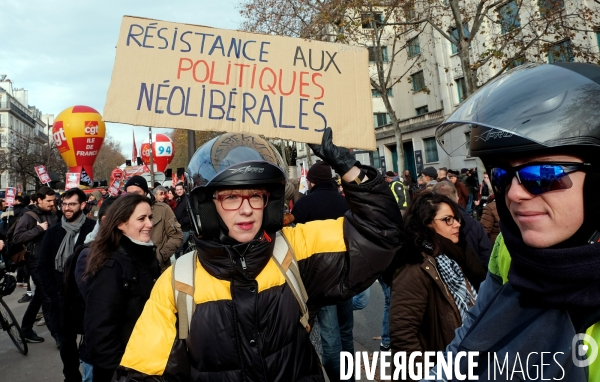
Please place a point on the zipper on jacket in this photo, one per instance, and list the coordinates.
(243, 260)
(440, 276)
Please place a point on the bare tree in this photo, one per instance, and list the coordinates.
(487, 36)
(375, 24)
(491, 36)
(109, 158)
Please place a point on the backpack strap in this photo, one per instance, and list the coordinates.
(33, 215)
(284, 257)
(184, 271)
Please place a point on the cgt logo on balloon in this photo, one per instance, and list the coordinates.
(60, 140)
(78, 133)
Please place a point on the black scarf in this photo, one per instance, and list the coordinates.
(564, 278)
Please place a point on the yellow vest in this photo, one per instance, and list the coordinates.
(396, 195)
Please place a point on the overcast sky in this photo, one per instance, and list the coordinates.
(62, 51)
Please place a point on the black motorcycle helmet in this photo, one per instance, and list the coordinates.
(234, 160)
(533, 109)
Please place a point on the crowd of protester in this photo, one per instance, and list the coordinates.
(461, 263)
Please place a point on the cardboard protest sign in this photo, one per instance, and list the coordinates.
(73, 180)
(10, 195)
(41, 172)
(199, 78)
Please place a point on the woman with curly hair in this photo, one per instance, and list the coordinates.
(436, 281)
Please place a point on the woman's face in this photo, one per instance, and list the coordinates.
(139, 225)
(552, 217)
(170, 195)
(244, 222)
(444, 216)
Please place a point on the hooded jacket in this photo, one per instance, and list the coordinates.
(245, 326)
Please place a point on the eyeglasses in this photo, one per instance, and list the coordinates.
(537, 178)
(233, 201)
(449, 220)
(70, 205)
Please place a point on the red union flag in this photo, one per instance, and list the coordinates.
(42, 174)
(134, 153)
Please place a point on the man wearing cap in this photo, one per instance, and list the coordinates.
(166, 231)
(429, 176)
(398, 190)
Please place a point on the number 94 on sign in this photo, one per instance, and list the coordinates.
(163, 149)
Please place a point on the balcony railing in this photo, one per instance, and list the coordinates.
(42, 136)
(414, 120)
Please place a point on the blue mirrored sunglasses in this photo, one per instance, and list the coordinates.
(537, 178)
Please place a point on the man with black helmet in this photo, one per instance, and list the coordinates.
(537, 130)
(246, 324)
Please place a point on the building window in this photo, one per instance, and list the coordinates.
(301, 146)
(561, 52)
(418, 81)
(376, 93)
(3, 140)
(413, 47)
(369, 19)
(454, 33)
(373, 55)
(598, 39)
(422, 110)
(550, 6)
(461, 88)
(409, 9)
(381, 119)
(431, 153)
(509, 17)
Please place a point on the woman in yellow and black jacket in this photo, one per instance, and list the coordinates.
(245, 326)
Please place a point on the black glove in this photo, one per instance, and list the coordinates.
(339, 158)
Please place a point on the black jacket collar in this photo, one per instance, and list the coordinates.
(226, 261)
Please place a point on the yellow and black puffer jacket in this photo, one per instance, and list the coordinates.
(245, 326)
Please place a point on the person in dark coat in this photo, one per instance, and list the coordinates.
(82, 285)
(182, 215)
(436, 281)
(336, 322)
(490, 219)
(30, 230)
(58, 245)
(121, 271)
(323, 201)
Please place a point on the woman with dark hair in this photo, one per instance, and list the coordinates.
(122, 269)
(437, 280)
(170, 199)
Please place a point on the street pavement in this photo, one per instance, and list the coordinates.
(42, 363)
